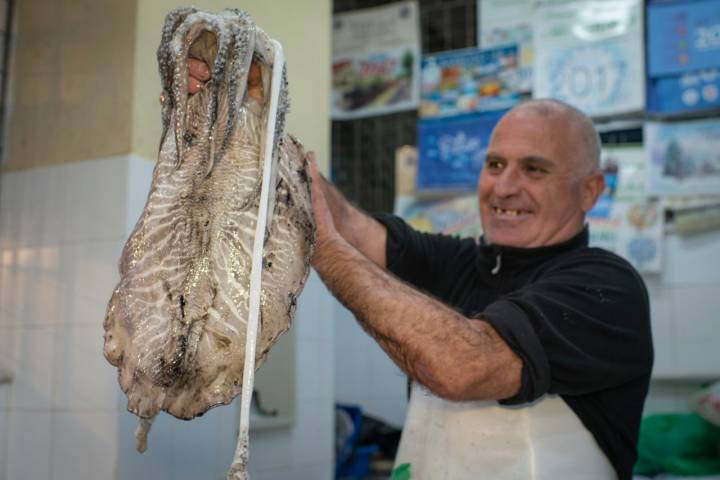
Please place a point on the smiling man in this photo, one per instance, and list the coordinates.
(530, 352)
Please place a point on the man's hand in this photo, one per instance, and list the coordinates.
(199, 73)
(327, 237)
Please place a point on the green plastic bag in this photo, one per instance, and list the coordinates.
(401, 472)
(680, 444)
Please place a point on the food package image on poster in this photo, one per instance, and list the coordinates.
(470, 80)
(590, 54)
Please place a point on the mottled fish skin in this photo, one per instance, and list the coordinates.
(175, 324)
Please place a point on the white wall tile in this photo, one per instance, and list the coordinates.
(692, 259)
(30, 447)
(158, 461)
(31, 203)
(666, 360)
(33, 367)
(314, 320)
(270, 449)
(662, 312)
(4, 436)
(698, 357)
(194, 448)
(282, 472)
(31, 292)
(314, 369)
(84, 445)
(312, 437)
(7, 364)
(54, 207)
(315, 471)
(96, 202)
(138, 187)
(90, 274)
(697, 311)
(10, 214)
(84, 379)
(10, 284)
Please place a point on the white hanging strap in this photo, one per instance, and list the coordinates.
(238, 469)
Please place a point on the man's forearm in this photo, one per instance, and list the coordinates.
(453, 356)
(359, 229)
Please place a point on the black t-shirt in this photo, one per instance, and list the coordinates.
(577, 316)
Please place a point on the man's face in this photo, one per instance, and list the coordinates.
(535, 186)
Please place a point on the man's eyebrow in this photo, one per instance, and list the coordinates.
(533, 159)
(538, 160)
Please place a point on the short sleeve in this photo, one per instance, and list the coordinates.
(581, 326)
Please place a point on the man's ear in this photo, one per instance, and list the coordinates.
(593, 186)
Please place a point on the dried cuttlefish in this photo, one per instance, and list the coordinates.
(176, 323)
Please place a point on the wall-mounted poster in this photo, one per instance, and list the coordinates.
(683, 36)
(452, 216)
(469, 80)
(633, 230)
(589, 53)
(625, 220)
(686, 92)
(502, 23)
(452, 151)
(684, 157)
(683, 56)
(376, 57)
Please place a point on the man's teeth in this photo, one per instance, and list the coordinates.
(509, 211)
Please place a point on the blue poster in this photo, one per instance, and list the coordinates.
(683, 56)
(683, 36)
(691, 91)
(452, 150)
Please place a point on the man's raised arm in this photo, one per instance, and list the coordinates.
(356, 227)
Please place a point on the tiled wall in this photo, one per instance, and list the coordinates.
(63, 416)
(685, 301)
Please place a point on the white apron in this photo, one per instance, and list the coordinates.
(445, 440)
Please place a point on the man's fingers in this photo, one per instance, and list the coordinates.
(312, 166)
(198, 74)
(194, 85)
(198, 69)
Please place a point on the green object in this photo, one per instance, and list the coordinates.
(680, 444)
(401, 472)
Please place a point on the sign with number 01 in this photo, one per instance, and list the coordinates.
(589, 53)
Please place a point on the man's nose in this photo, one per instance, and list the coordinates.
(507, 183)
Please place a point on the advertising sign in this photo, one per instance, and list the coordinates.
(452, 151)
(503, 23)
(590, 54)
(470, 80)
(376, 56)
(684, 157)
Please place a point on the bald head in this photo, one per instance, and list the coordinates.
(579, 128)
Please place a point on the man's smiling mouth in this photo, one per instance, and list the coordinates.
(509, 212)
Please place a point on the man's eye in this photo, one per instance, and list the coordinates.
(493, 164)
(532, 169)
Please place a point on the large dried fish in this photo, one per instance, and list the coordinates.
(175, 325)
